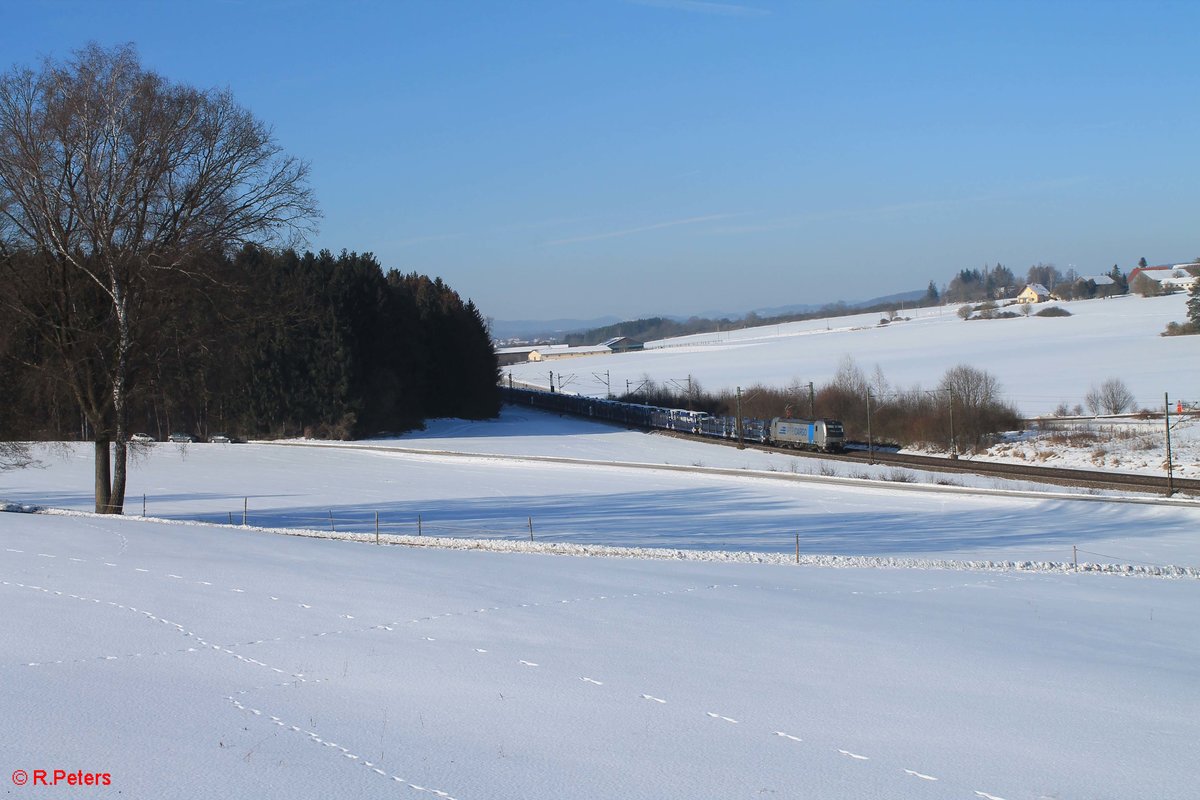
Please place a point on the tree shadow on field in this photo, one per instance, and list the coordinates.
(514, 422)
(720, 519)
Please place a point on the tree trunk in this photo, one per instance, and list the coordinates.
(102, 476)
(116, 502)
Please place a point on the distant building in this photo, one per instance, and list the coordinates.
(623, 344)
(506, 356)
(562, 351)
(1033, 293)
(549, 352)
(1173, 276)
(1086, 287)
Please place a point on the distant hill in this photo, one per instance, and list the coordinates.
(808, 308)
(545, 328)
(591, 331)
(653, 328)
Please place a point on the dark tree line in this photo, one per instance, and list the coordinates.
(263, 343)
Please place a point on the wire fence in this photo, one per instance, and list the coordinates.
(370, 522)
(365, 521)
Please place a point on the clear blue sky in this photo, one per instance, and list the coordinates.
(589, 157)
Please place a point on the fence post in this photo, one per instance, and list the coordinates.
(376, 527)
(1074, 557)
(531, 529)
(245, 510)
(143, 505)
(331, 525)
(419, 532)
(797, 548)
(230, 517)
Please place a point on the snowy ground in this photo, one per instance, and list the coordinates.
(197, 660)
(275, 667)
(1117, 444)
(735, 501)
(1040, 361)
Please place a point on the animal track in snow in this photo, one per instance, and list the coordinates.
(316, 739)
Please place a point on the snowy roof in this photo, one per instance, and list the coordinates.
(618, 340)
(1037, 288)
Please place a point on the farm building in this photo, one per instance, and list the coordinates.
(1033, 293)
(623, 344)
(1176, 276)
(561, 351)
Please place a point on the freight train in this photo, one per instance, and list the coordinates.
(825, 435)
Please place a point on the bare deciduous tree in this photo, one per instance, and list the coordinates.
(1111, 397)
(111, 176)
(15, 455)
(975, 395)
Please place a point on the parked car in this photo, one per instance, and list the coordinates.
(142, 437)
(181, 438)
(224, 438)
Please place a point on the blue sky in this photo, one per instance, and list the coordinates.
(577, 158)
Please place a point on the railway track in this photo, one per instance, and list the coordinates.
(1122, 481)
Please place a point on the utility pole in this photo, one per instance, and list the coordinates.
(740, 432)
(870, 448)
(953, 442)
(1167, 424)
(551, 381)
(607, 381)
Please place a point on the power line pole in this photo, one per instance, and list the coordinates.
(607, 381)
(870, 438)
(740, 432)
(1167, 424)
(953, 442)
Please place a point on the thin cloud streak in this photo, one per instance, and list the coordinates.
(704, 7)
(643, 228)
(798, 220)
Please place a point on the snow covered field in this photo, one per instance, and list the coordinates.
(611, 486)
(198, 660)
(1040, 361)
(193, 662)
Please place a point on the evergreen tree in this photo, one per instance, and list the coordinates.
(1119, 279)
